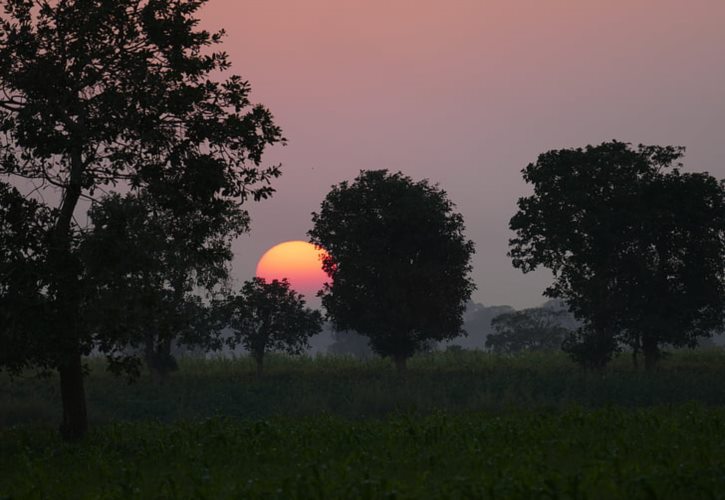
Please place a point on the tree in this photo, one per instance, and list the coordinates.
(271, 316)
(398, 262)
(636, 246)
(535, 329)
(97, 93)
(149, 272)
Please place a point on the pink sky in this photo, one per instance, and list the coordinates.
(466, 93)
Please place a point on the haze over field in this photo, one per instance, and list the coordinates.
(466, 93)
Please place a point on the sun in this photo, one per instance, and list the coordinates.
(298, 261)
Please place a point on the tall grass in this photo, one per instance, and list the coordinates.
(450, 381)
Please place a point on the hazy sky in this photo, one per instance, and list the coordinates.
(466, 93)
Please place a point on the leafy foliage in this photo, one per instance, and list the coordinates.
(127, 90)
(147, 271)
(398, 262)
(635, 245)
(271, 317)
(100, 93)
(23, 306)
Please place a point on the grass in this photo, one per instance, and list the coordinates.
(665, 452)
(303, 387)
(460, 425)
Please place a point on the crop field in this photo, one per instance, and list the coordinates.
(303, 387)
(609, 453)
(459, 425)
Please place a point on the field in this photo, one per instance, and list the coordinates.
(460, 425)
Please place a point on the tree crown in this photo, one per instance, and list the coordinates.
(398, 261)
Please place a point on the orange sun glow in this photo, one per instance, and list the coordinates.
(298, 261)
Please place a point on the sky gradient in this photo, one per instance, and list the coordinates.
(466, 93)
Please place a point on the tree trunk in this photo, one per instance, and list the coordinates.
(401, 365)
(260, 366)
(73, 396)
(651, 353)
(159, 360)
(64, 276)
(152, 361)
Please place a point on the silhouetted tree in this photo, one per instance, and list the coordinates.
(398, 261)
(535, 329)
(101, 92)
(636, 246)
(146, 268)
(271, 316)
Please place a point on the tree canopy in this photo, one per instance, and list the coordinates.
(636, 246)
(271, 316)
(100, 94)
(23, 308)
(150, 275)
(398, 262)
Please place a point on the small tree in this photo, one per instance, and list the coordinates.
(636, 247)
(268, 317)
(536, 329)
(398, 262)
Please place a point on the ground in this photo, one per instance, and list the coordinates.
(461, 425)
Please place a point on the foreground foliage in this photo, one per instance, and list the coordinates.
(609, 453)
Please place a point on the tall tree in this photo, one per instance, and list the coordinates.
(151, 273)
(398, 262)
(271, 316)
(94, 93)
(636, 246)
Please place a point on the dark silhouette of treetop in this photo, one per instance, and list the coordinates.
(398, 262)
(100, 93)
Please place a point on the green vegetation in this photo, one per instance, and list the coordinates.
(461, 424)
(608, 453)
(442, 381)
